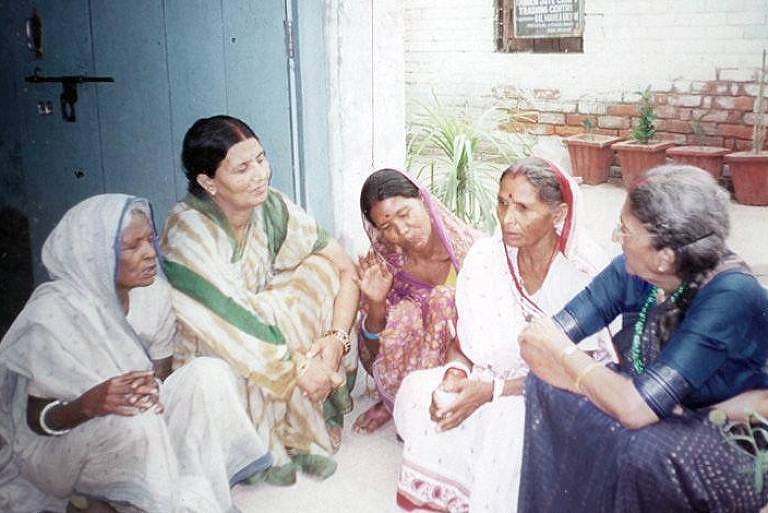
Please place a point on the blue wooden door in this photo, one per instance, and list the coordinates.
(173, 62)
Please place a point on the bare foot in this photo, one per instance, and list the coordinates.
(375, 417)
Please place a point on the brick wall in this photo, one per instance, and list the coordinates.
(713, 113)
(698, 56)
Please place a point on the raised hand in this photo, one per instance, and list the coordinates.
(374, 277)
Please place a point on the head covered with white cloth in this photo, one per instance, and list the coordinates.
(492, 302)
(73, 332)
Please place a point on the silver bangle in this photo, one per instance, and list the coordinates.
(47, 429)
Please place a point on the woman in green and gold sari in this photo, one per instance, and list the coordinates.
(260, 284)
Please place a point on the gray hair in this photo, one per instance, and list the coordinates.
(684, 209)
(541, 176)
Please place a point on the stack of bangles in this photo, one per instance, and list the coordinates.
(342, 336)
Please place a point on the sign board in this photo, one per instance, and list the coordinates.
(548, 18)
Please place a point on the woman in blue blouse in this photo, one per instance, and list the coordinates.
(635, 437)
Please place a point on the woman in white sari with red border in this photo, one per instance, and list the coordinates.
(463, 423)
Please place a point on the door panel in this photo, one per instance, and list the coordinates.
(173, 62)
(196, 70)
(257, 79)
(134, 112)
(62, 160)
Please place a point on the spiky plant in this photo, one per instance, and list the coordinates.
(459, 161)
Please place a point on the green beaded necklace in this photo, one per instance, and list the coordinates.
(637, 348)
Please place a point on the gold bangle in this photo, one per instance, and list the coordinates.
(342, 336)
(584, 373)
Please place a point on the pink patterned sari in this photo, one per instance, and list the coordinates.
(421, 317)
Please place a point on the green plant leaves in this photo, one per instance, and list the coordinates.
(460, 162)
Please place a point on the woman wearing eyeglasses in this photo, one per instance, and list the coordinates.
(636, 437)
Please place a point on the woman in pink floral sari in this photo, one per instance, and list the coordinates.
(407, 280)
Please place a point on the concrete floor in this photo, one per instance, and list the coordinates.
(368, 464)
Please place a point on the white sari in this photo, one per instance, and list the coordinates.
(73, 335)
(475, 466)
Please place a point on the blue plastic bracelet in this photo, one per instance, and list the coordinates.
(367, 334)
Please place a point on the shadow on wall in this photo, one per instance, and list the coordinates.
(15, 265)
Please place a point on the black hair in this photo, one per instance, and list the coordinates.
(206, 144)
(383, 184)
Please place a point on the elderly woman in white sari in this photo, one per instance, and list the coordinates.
(463, 423)
(82, 406)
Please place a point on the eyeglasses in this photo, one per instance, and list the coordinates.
(620, 233)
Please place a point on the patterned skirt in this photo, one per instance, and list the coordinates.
(577, 459)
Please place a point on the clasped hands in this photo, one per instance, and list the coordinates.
(129, 394)
(320, 377)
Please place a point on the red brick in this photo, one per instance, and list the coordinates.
(667, 112)
(668, 136)
(660, 99)
(684, 114)
(625, 133)
(735, 116)
(718, 116)
(741, 145)
(565, 131)
(577, 119)
(744, 103)
(751, 117)
(704, 140)
(552, 118)
(674, 125)
(623, 109)
(606, 131)
(516, 126)
(613, 122)
(709, 128)
(542, 130)
(706, 102)
(737, 131)
(718, 88)
(685, 100)
(729, 143)
(748, 89)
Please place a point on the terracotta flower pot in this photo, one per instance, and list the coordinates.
(591, 156)
(708, 158)
(749, 172)
(636, 158)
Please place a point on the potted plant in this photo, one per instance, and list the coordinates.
(643, 151)
(591, 154)
(749, 170)
(708, 158)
